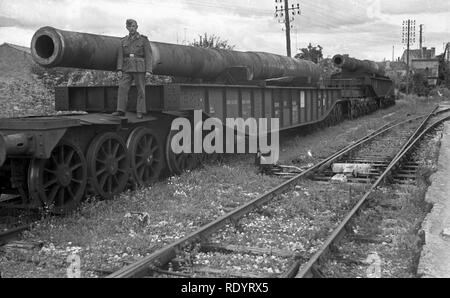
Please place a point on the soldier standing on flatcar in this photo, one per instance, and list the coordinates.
(134, 62)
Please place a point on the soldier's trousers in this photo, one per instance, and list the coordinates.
(124, 87)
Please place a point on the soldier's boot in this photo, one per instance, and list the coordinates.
(118, 114)
(140, 115)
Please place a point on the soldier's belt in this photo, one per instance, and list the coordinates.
(133, 56)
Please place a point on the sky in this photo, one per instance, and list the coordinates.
(364, 29)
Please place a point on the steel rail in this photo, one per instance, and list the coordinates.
(422, 134)
(12, 234)
(311, 268)
(163, 256)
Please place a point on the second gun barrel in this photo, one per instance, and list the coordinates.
(351, 64)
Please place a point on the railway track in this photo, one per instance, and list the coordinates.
(12, 234)
(311, 268)
(396, 139)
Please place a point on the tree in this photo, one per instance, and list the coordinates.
(212, 42)
(311, 53)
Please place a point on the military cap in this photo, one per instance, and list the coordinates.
(130, 22)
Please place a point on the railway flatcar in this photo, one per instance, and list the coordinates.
(52, 162)
(364, 85)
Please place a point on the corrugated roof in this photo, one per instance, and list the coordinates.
(19, 48)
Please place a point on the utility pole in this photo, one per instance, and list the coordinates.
(447, 49)
(288, 28)
(286, 15)
(421, 41)
(409, 38)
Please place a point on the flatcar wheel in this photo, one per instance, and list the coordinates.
(330, 118)
(146, 156)
(179, 163)
(340, 114)
(60, 181)
(336, 115)
(108, 165)
(208, 157)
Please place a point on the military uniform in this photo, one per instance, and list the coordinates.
(134, 60)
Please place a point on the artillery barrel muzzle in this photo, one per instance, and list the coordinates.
(57, 48)
(351, 64)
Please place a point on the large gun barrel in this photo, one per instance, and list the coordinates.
(354, 65)
(52, 47)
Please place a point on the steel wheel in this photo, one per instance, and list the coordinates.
(108, 165)
(212, 157)
(146, 156)
(60, 181)
(179, 163)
